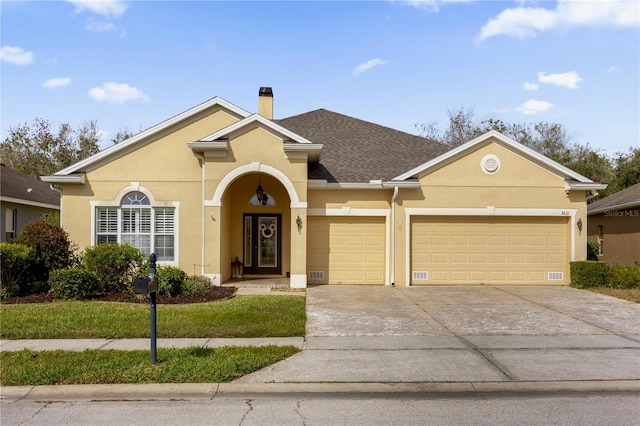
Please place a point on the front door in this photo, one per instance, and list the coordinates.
(262, 244)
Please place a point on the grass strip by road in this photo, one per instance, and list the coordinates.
(241, 316)
(175, 365)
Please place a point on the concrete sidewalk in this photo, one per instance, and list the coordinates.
(432, 339)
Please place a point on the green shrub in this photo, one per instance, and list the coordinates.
(72, 284)
(114, 266)
(624, 276)
(14, 262)
(593, 248)
(52, 250)
(170, 280)
(588, 273)
(196, 286)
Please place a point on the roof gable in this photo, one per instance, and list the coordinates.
(486, 138)
(131, 143)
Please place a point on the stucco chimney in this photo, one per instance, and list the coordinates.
(265, 102)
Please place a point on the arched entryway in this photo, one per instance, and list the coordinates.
(259, 209)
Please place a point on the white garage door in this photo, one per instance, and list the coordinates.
(346, 250)
(496, 250)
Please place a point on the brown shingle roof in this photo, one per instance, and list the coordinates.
(628, 197)
(359, 151)
(14, 184)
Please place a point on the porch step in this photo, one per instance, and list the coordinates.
(273, 283)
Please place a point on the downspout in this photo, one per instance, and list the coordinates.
(393, 236)
(202, 263)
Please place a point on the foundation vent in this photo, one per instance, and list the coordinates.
(555, 276)
(316, 275)
(420, 275)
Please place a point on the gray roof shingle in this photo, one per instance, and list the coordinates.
(628, 197)
(357, 151)
(14, 184)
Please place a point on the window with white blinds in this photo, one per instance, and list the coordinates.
(150, 229)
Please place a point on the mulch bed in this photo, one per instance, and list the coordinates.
(216, 293)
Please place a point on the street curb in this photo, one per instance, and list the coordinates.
(208, 391)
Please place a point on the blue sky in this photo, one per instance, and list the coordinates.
(134, 64)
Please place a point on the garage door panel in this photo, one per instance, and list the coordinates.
(356, 250)
(468, 250)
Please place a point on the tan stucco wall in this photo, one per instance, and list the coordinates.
(461, 184)
(621, 233)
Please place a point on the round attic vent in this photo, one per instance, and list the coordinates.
(490, 164)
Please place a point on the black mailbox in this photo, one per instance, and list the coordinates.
(146, 285)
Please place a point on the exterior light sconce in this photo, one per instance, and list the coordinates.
(579, 224)
(299, 223)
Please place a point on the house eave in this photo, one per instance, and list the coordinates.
(29, 203)
(313, 150)
(76, 178)
(613, 208)
(373, 184)
(584, 186)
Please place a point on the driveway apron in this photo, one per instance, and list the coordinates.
(462, 334)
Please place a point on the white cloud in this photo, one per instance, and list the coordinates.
(532, 107)
(612, 68)
(100, 27)
(107, 8)
(367, 66)
(568, 79)
(117, 93)
(56, 82)
(430, 5)
(15, 55)
(525, 22)
(530, 86)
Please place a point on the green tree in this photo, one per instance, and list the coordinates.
(37, 150)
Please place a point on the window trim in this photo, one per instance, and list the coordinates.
(153, 203)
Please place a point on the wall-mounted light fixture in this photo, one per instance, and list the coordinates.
(299, 223)
(579, 225)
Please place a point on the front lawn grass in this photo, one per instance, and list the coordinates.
(241, 316)
(630, 294)
(183, 365)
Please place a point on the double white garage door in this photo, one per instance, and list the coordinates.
(443, 250)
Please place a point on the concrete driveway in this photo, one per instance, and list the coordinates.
(467, 334)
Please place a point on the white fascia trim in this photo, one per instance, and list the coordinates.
(580, 186)
(312, 150)
(486, 211)
(78, 178)
(29, 203)
(374, 184)
(507, 141)
(259, 119)
(209, 146)
(150, 131)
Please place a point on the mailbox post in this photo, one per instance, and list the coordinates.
(149, 285)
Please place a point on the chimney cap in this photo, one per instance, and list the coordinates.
(266, 91)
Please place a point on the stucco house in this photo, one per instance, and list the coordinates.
(23, 200)
(614, 222)
(325, 198)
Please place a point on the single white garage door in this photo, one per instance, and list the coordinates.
(496, 250)
(346, 250)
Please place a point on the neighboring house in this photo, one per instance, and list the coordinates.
(347, 201)
(23, 199)
(614, 222)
